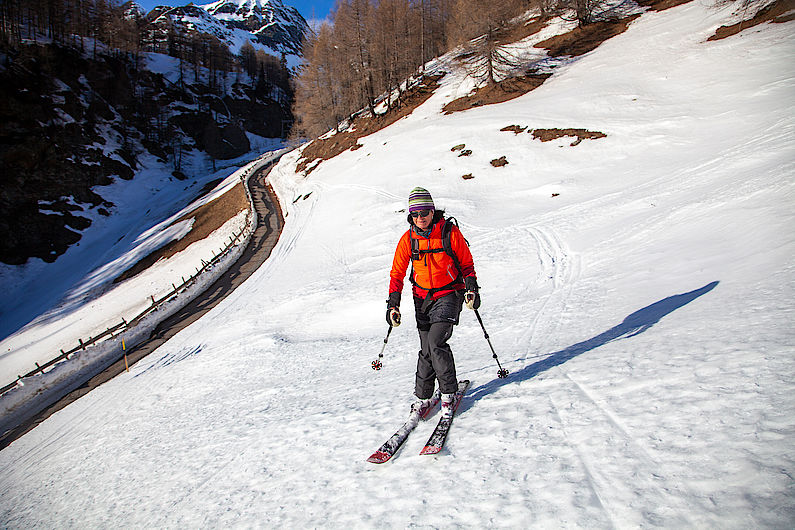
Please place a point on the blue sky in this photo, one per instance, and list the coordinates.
(319, 9)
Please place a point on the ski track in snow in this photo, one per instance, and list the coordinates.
(560, 266)
(625, 478)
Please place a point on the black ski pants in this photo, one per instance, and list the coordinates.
(435, 361)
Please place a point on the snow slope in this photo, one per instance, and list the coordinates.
(79, 300)
(645, 314)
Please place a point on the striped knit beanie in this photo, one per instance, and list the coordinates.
(420, 199)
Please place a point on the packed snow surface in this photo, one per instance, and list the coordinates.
(645, 313)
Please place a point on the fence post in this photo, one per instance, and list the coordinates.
(233, 240)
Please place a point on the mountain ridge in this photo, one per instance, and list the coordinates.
(270, 25)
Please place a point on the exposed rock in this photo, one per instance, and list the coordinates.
(71, 123)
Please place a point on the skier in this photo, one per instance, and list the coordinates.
(443, 276)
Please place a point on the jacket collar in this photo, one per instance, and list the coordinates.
(425, 233)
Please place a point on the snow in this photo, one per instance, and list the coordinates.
(79, 300)
(206, 19)
(645, 314)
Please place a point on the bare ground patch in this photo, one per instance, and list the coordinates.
(547, 135)
(325, 149)
(777, 12)
(521, 31)
(516, 129)
(582, 40)
(661, 5)
(576, 42)
(499, 92)
(208, 218)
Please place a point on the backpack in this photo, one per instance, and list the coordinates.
(447, 247)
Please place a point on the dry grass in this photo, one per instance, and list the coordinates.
(325, 149)
(576, 42)
(777, 12)
(208, 219)
(516, 129)
(547, 135)
(585, 39)
(498, 92)
(662, 5)
(521, 31)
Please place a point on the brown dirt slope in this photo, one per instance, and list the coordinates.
(209, 218)
(777, 12)
(578, 41)
(325, 149)
(582, 40)
(661, 5)
(500, 92)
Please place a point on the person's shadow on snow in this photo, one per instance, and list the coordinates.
(634, 324)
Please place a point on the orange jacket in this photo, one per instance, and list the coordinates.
(432, 270)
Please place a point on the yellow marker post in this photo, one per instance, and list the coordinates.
(124, 349)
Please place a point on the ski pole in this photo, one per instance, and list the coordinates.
(502, 373)
(377, 363)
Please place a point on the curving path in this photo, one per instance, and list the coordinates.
(264, 238)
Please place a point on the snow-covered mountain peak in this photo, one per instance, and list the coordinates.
(133, 9)
(240, 9)
(266, 24)
(256, 15)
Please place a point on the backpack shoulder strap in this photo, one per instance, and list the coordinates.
(447, 229)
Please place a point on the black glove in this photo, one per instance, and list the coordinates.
(471, 295)
(393, 309)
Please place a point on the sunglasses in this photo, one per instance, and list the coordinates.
(421, 213)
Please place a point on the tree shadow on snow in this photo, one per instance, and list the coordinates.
(634, 324)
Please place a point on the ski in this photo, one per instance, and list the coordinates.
(439, 435)
(391, 446)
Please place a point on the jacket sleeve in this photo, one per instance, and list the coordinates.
(400, 264)
(461, 249)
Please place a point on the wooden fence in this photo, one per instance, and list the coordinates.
(125, 325)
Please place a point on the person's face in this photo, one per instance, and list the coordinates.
(422, 221)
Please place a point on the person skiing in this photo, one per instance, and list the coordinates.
(443, 278)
